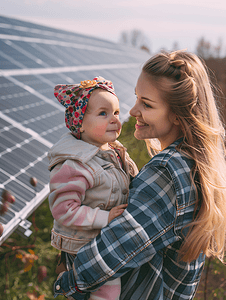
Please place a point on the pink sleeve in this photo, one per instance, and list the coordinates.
(68, 184)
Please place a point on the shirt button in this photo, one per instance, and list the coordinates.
(124, 191)
(58, 287)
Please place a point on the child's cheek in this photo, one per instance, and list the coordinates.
(100, 130)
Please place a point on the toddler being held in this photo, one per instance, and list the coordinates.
(90, 172)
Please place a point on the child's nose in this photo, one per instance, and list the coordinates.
(114, 119)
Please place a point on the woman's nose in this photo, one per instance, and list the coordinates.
(134, 111)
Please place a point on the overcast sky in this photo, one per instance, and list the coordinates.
(163, 22)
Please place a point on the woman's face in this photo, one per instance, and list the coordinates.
(153, 114)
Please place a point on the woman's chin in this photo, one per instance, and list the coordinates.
(138, 136)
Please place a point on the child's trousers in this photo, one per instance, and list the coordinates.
(109, 291)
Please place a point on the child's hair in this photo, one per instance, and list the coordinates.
(183, 81)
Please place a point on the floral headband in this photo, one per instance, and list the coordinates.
(75, 97)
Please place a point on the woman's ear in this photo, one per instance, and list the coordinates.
(81, 130)
(176, 121)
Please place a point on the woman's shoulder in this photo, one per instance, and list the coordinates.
(173, 159)
(170, 165)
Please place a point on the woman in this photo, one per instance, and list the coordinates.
(175, 215)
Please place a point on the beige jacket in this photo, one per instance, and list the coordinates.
(85, 183)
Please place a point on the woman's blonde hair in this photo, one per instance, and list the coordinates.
(183, 81)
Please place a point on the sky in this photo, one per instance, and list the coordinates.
(163, 23)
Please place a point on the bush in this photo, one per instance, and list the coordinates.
(136, 149)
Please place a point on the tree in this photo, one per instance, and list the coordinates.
(203, 48)
(135, 38)
(218, 48)
(175, 46)
(206, 50)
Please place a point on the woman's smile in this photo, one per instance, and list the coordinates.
(140, 124)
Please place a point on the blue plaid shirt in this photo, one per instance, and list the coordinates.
(141, 246)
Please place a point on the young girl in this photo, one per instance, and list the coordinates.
(176, 207)
(90, 171)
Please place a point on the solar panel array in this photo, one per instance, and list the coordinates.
(33, 59)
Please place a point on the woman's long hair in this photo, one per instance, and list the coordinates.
(183, 81)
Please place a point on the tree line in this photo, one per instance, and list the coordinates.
(205, 49)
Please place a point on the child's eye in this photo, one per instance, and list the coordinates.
(103, 113)
(116, 113)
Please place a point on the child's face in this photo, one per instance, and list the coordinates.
(154, 116)
(101, 123)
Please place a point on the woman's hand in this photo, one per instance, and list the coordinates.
(116, 211)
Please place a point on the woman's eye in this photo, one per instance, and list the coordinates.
(103, 113)
(146, 105)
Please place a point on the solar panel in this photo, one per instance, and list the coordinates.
(33, 59)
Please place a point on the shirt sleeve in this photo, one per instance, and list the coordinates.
(132, 239)
(68, 185)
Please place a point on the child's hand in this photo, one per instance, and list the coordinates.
(116, 211)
